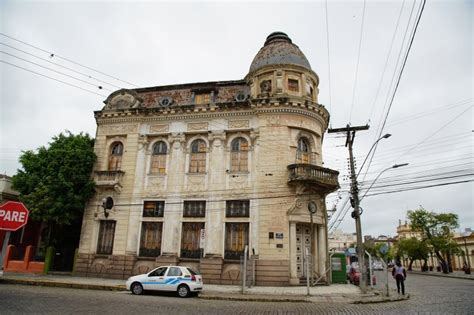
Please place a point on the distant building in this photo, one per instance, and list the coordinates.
(338, 240)
(465, 240)
(199, 171)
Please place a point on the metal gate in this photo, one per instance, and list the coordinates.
(303, 235)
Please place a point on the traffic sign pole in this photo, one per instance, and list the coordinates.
(13, 216)
(4, 248)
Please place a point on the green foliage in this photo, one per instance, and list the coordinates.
(436, 229)
(55, 181)
(413, 248)
(374, 250)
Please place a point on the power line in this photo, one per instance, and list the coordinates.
(59, 72)
(329, 60)
(51, 54)
(63, 82)
(358, 59)
(398, 79)
(421, 187)
(61, 66)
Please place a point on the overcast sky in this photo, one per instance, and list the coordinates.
(159, 43)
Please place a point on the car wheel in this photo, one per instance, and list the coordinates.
(136, 288)
(183, 291)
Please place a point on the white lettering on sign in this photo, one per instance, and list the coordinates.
(13, 216)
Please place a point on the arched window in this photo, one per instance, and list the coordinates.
(239, 155)
(198, 157)
(115, 157)
(303, 152)
(158, 158)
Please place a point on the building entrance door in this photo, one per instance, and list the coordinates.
(303, 235)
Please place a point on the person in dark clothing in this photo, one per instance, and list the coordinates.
(399, 274)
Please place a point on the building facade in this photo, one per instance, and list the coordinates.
(197, 172)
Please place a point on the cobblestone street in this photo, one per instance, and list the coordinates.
(427, 294)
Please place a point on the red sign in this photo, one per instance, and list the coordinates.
(13, 215)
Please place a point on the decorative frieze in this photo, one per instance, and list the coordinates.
(117, 129)
(239, 124)
(159, 128)
(198, 126)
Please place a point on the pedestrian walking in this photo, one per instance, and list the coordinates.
(399, 274)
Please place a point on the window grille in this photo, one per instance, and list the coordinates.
(237, 208)
(153, 208)
(190, 239)
(194, 209)
(150, 240)
(237, 236)
(105, 243)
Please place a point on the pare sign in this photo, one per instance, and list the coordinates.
(13, 215)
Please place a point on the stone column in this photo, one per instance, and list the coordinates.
(294, 280)
(322, 249)
(215, 210)
(173, 206)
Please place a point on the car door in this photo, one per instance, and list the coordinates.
(173, 278)
(155, 279)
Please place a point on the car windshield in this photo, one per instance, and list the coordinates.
(194, 273)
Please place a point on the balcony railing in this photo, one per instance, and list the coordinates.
(108, 178)
(324, 178)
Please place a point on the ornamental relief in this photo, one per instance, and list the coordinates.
(117, 129)
(159, 128)
(238, 182)
(273, 120)
(155, 185)
(197, 126)
(196, 183)
(239, 124)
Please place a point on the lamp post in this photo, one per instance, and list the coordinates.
(388, 168)
(385, 136)
(465, 236)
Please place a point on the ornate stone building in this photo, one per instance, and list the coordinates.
(198, 171)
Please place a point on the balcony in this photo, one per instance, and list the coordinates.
(110, 179)
(324, 179)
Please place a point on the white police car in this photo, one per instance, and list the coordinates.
(183, 280)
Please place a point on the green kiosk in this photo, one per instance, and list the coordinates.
(338, 268)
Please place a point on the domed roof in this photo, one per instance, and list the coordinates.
(279, 49)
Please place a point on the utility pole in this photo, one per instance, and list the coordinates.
(350, 132)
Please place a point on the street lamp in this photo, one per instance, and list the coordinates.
(388, 168)
(465, 236)
(385, 136)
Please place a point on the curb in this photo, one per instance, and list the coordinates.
(212, 295)
(46, 283)
(254, 298)
(441, 275)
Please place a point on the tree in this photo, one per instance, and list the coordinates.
(55, 181)
(414, 249)
(437, 230)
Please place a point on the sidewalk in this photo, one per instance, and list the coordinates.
(455, 274)
(336, 293)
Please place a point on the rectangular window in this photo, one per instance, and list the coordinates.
(105, 243)
(194, 209)
(150, 240)
(190, 239)
(198, 163)
(158, 164)
(153, 208)
(202, 98)
(237, 208)
(236, 237)
(293, 85)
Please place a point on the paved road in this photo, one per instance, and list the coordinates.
(428, 295)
